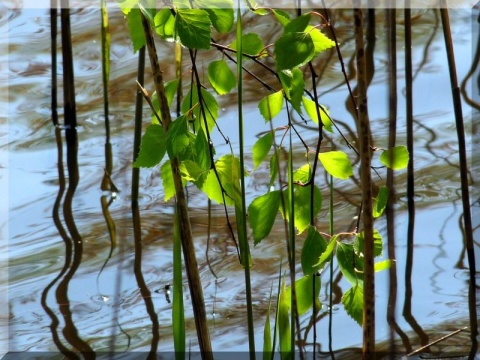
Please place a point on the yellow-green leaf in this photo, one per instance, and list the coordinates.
(311, 109)
(396, 158)
(271, 105)
(336, 163)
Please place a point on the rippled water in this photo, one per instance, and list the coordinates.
(107, 307)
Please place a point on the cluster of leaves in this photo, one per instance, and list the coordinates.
(192, 23)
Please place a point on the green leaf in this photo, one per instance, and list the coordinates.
(301, 200)
(165, 23)
(251, 44)
(298, 24)
(377, 243)
(220, 12)
(314, 246)
(325, 256)
(262, 213)
(336, 163)
(228, 170)
(311, 109)
(383, 265)
(281, 16)
(135, 26)
(271, 105)
(167, 180)
(302, 174)
(267, 335)
(261, 148)
(352, 300)
(274, 167)
(202, 156)
(190, 170)
(293, 49)
(320, 41)
(284, 329)
(380, 202)
(396, 158)
(294, 86)
(193, 110)
(127, 5)
(349, 263)
(178, 137)
(304, 293)
(221, 77)
(152, 148)
(170, 91)
(193, 28)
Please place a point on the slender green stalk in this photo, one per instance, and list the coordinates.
(242, 233)
(330, 294)
(178, 310)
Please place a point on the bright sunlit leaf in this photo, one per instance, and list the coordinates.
(313, 247)
(302, 196)
(193, 28)
(293, 49)
(350, 264)
(294, 86)
(380, 202)
(271, 105)
(336, 163)
(352, 300)
(262, 213)
(298, 24)
(221, 77)
(320, 41)
(220, 12)
(383, 265)
(152, 148)
(377, 243)
(396, 158)
(304, 293)
(311, 109)
(261, 148)
(165, 23)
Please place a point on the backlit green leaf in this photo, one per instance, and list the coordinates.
(167, 180)
(314, 246)
(336, 163)
(304, 293)
(380, 202)
(135, 26)
(377, 243)
(221, 77)
(192, 109)
(251, 44)
(220, 12)
(202, 156)
(298, 24)
(227, 169)
(178, 137)
(165, 23)
(193, 28)
(301, 199)
(302, 174)
(284, 329)
(282, 16)
(152, 148)
(261, 148)
(325, 256)
(294, 86)
(352, 300)
(190, 170)
(262, 213)
(349, 263)
(293, 49)
(271, 105)
(395, 158)
(383, 265)
(311, 109)
(170, 91)
(320, 41)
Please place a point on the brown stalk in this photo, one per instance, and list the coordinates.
(196, 291)
(365, 158)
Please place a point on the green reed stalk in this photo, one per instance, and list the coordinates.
(330, 293)
(242, 233)
(178, 310)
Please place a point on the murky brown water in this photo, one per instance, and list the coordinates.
(107, 308)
